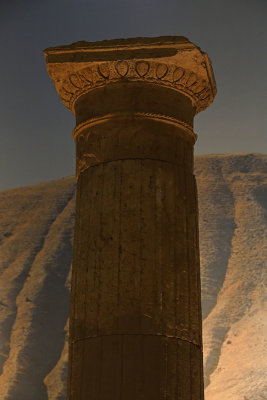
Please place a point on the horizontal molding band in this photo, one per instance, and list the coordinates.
(137, 115)
(84, 164)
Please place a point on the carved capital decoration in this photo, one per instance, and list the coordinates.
(175, 63)
(100, 74)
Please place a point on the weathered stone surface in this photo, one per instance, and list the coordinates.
(171, 61)
(135, 318)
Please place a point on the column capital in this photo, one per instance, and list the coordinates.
(169, 61)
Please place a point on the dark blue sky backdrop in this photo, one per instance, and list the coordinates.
(36, 129)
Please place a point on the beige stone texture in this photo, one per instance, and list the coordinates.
(135, 319)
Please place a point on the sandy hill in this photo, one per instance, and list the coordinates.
(35, 259)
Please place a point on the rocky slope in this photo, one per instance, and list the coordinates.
(233, 247)
(35, 260)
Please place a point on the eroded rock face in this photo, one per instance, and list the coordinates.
(35, 262)
(233, 213)
(36, 246)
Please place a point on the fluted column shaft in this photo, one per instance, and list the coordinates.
(135, 323)
(135, 319)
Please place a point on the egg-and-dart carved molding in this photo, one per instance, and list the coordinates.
(100, 74)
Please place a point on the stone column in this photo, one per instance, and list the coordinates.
(135, 319)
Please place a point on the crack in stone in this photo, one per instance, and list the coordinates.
(132, 159)
(136, 334)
